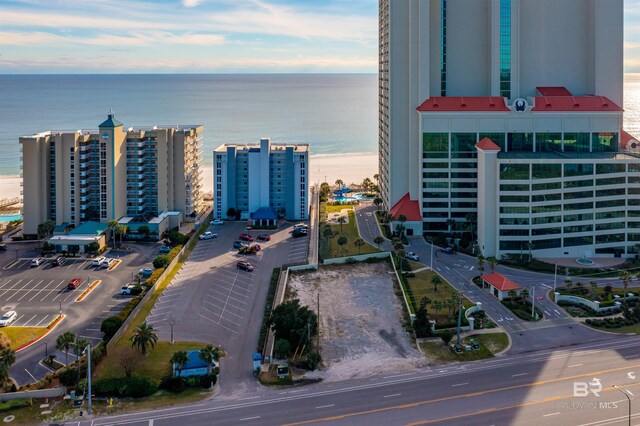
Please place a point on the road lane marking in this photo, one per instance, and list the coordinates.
(459, 384)
(574, 365)
(325, 406)
(631, 356)
(551, 414)
(391, 396)
(519, 374)
(250, 418)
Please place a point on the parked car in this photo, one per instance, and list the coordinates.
(448, 250)
(131, 289)
(98, 261)
(216, 222)
(37, 261)
(299, 232)
(145, 272)
(263, 237)
(8, 318)
(208, 236)
(74, 283)
(3, 247)
(239, 244)
(301, 226)
(245, 237)
(107, 263)
(412, 256)
(58, 261)
(244, 265)
(165, 249)
(250, 249)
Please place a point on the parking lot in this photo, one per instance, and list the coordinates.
(39, 294)
(211, 300)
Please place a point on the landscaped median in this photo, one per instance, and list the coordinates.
(89, 289)
(340, 239)
(489, 344)
(23, 337)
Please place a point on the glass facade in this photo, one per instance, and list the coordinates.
(443, 47)
(505, 48)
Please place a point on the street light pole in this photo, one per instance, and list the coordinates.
(533, 302)
(555, 278)
(172, 322)
(629, 399)
(431, 263)
(88, 349)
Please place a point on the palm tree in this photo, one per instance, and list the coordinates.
(400, 228)
(121, 230)
(425, 302)
(524, 294)
(179, 359)
(143, 337)
(568, 283)
(359, 243)
(366, 184)
(80, 344)
(341, 220)
(400, 254)
(377, 202)
(7, 356)
(209, 354)
(625, 277)
(481, 264)
(339, 183)
(327, 233)
(112, 227)
(530, 246)
(435, 280)
(50, 359)
(512, 295)
(342, 241)
(378, 240)
(437, 305)
(451, 224)
(492, 261)
(64, 342)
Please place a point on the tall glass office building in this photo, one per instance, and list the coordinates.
(504, 117)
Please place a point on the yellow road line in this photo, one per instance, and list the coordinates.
(468, 395)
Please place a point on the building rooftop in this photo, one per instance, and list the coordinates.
(487, 144)
(110, 122)
(304, 147)
(553, 91)
(407, 207)
(89, 228)
(464, 103)
(575, 103)
(557, 155)
(500, 282)
(264, 213)
(626, 138)
(194, 361)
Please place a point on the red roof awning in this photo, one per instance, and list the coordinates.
(575, 103)
(464, 103)
(500, 282)
(407, 207)
(487, 144)
(553, 91)
(625, 138)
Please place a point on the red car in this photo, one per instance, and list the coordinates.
(74, 283)
(245, 237)
(263, 237)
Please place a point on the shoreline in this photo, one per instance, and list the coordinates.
(351, 168)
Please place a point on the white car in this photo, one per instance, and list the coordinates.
(208, 235)
(217, 222)
(107, 263)
(127, 289)
(98, 261)
(412, 256)
(37, 261)
(8, 318)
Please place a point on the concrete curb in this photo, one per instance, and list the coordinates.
(33, 342)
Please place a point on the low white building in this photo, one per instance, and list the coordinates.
(261, 178)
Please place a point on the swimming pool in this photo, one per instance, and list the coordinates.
(10, 218)
(356, 197)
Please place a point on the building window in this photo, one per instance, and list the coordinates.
(520, 142)
(546, 171)
(497, 138)
(548, 142)
(505, 48)
(443, 47)
(576, 142)
(514, 171)
(578, 170)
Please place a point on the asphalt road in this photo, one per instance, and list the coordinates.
(38, 295)
(536, 388)
(211, 301)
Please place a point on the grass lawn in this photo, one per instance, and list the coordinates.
(349, 230)
(622, 330)
(522, 309)
(23, 335)
(594, 293)
(490, 344)
(420, 286)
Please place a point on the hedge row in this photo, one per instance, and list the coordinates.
(125, 387)
(268, 306)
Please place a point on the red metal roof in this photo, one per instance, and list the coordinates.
(464, 103)
(553, 91)
(487, 144)
(575, 103)
(625, 138)
(407, 207)
(500, 282)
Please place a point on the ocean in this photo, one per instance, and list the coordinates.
(335, 113)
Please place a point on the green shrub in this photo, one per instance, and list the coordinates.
(110, 326)
(193, 381)
(273, 285)
(125, 387)
(161, 261)
(14, 405)
(173, 384)
(98, 353)
(136, 290)
(124, 313)
(154, 277)
(68, 376)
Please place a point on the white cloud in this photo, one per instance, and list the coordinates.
(191, 3)
(133, 39)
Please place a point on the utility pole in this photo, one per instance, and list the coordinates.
(555, 278)
(431, 262)
(533, 302)
(172, 322)
(629, 399)
(459, 315)
(318, 330)
(88, 349)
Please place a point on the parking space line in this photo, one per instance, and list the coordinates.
(229, 296)
(16, 283)
(29, 320)
(8, 281)
(221, 325)
(211, 312)
(232, 313)
(230, 304)
(30, 290)
(42, 320)
(16, 290)
(57, 288)
(231, 321)
(43, 289)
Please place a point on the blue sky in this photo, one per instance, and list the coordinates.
(176, 36)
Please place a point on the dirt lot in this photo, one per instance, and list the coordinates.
(361, 331)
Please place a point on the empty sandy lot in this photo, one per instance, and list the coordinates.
(361, 331)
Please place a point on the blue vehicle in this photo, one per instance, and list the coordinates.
(145, 272)
(239, 244)
(165, 249)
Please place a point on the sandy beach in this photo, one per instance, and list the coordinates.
(351, 168)
(9, 186)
